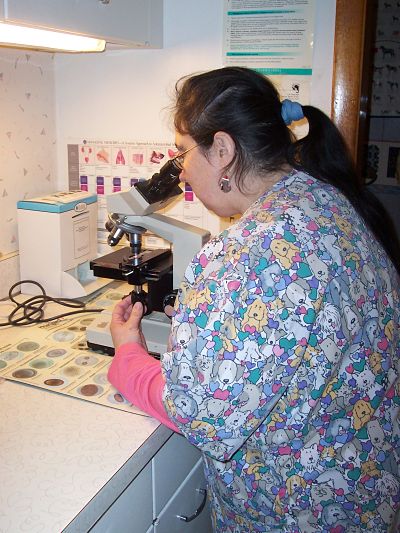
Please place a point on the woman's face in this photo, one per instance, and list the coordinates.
(203, 174)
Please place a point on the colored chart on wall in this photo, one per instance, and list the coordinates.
(105, 167)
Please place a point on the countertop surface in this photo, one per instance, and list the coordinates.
(63, 459)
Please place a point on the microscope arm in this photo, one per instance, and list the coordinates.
(186, 240)
(133, 202)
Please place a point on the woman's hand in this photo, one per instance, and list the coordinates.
(125, 324)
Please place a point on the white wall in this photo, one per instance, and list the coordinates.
(324, 35)
(122, 94)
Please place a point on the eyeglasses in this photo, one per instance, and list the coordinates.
(180, 158)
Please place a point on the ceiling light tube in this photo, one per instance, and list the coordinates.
(27, 37)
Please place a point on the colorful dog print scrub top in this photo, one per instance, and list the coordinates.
(284, 367)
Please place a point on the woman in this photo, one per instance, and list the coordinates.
(283, 367)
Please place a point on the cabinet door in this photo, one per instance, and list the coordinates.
(185, 503)
(171, 465)
(132, 512)
(130, 22)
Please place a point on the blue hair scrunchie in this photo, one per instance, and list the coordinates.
(291, 111)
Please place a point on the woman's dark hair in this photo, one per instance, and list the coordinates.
(247, 106)
(242, 103)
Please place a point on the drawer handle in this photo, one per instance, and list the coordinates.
(198, 510)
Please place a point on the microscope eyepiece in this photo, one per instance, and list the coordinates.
(162, 185)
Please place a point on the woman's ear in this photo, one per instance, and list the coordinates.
(224, 148)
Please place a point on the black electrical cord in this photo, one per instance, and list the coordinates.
(31, 311)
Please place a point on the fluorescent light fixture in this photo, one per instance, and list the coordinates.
(27, 37)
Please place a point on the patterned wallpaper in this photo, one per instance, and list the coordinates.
(27, 143)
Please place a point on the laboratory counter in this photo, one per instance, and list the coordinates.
(69, 464)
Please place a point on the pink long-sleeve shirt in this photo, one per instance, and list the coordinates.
(137, 376)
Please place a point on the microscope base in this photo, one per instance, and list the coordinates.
(156, 328)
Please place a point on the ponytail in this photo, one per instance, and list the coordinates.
(323, 154)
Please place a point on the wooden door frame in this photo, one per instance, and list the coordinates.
(351, 79)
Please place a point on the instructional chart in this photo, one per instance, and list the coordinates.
(104, 167)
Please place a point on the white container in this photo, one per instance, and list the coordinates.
(57, 239)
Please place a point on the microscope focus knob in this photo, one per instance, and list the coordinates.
(141, 296)
(169, 303)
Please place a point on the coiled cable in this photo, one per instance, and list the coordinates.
(31, 311)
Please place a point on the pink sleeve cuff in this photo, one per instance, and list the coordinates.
(137, 376)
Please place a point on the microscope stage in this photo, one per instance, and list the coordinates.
(136, 270)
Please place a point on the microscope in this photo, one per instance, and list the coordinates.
(153, 274)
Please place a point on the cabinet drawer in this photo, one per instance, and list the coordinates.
(132, 511)
(171, 465)
(186, 502)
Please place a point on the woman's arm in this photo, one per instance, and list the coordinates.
(133, 372)
(137, 376)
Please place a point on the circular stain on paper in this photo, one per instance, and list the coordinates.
(2, 364)
(24, 373)
(57, 352)
(10, 356)
(72, 371)
(90, 390)
(41, 363)
(54, 382)
(101, 379)
(63, 336)
(28, 346)
(117, 398)
(86, 360)
(86, 321)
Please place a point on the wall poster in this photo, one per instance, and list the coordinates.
(385, 97)
(384, 162)
(104, 167)
(274, 37)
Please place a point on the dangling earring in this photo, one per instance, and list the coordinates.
(224, 184)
